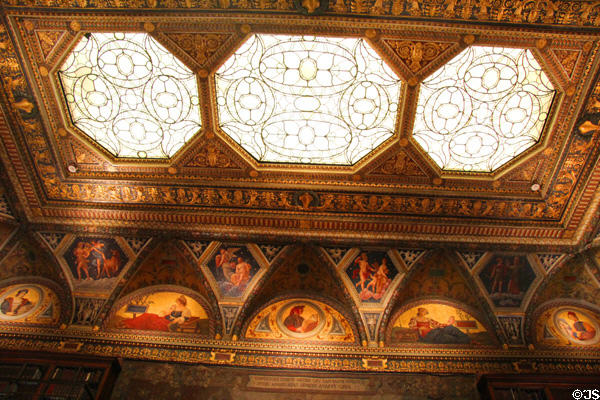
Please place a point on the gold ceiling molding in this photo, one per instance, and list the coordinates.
(200, 46)
(259, 355)
(216, 176)
(400, 163)
(416, 54)
(552, 12)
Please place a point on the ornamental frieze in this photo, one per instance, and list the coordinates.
(552, 12)
(499, 362)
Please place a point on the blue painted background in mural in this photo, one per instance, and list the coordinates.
(233, 267)
(95, 258)
(372, 273)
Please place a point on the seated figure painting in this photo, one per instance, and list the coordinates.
(164, 312)
(436, 323)
(571, 325)
(432, 331)
(233, 269)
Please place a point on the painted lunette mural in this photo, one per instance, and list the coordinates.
(162, 311)
(300, 320)
(438, 324)
(29, 304)
(568, 326)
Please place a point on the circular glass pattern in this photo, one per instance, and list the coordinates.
(130, 95)
(307, 99)
(482, 109)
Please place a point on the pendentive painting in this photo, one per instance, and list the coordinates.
(435, 323)
(371, 273)
(29, 303)
(169, 312)
(568, 326)
(507, 278)
(300, 319)
(233, 267)
(95, 263)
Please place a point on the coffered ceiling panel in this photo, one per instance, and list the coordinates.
(544, 197)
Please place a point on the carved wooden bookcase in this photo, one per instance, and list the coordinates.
(40, 376)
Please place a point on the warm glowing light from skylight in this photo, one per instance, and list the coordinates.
(306, 99)
(130, 95)
(483, 108)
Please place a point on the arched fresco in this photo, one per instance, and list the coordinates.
(437, 323)
(567, 324)
(166, 309)
(29, 303)
(300, 320)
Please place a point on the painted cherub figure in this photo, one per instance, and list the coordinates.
(364, 270)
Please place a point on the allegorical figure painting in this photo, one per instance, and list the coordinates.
(371, 273)
(507, 278)
(300, 319)
(162, 312)
(28, 303)
(569, 326)
(435, 323)
(233, 268)
(95, 263)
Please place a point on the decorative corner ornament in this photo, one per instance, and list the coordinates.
(311, 7)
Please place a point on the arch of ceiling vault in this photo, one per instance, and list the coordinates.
(449, 264)
(213, 192)
(26, 259)
(286, 279)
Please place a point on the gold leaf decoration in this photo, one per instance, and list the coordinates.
(525, 172)
(568, 59)
(415, 54)
(211, 156)
(200, 46)
(48, 40)
(399, 164)
(84, 156)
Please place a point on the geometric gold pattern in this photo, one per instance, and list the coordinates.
(48, 40)
(200, 46)
(415, 54)
(568, 59)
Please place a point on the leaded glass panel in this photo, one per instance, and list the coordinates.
(483, 108)
(130, 95)
(307, 99)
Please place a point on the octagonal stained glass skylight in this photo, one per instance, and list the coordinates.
(130, 95)
(307, 99)
(482, 109)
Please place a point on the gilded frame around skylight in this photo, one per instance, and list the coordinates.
(363, 166)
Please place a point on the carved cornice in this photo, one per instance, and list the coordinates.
(392, 195)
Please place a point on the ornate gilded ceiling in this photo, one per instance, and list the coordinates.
(213, 186)
(391, 263)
